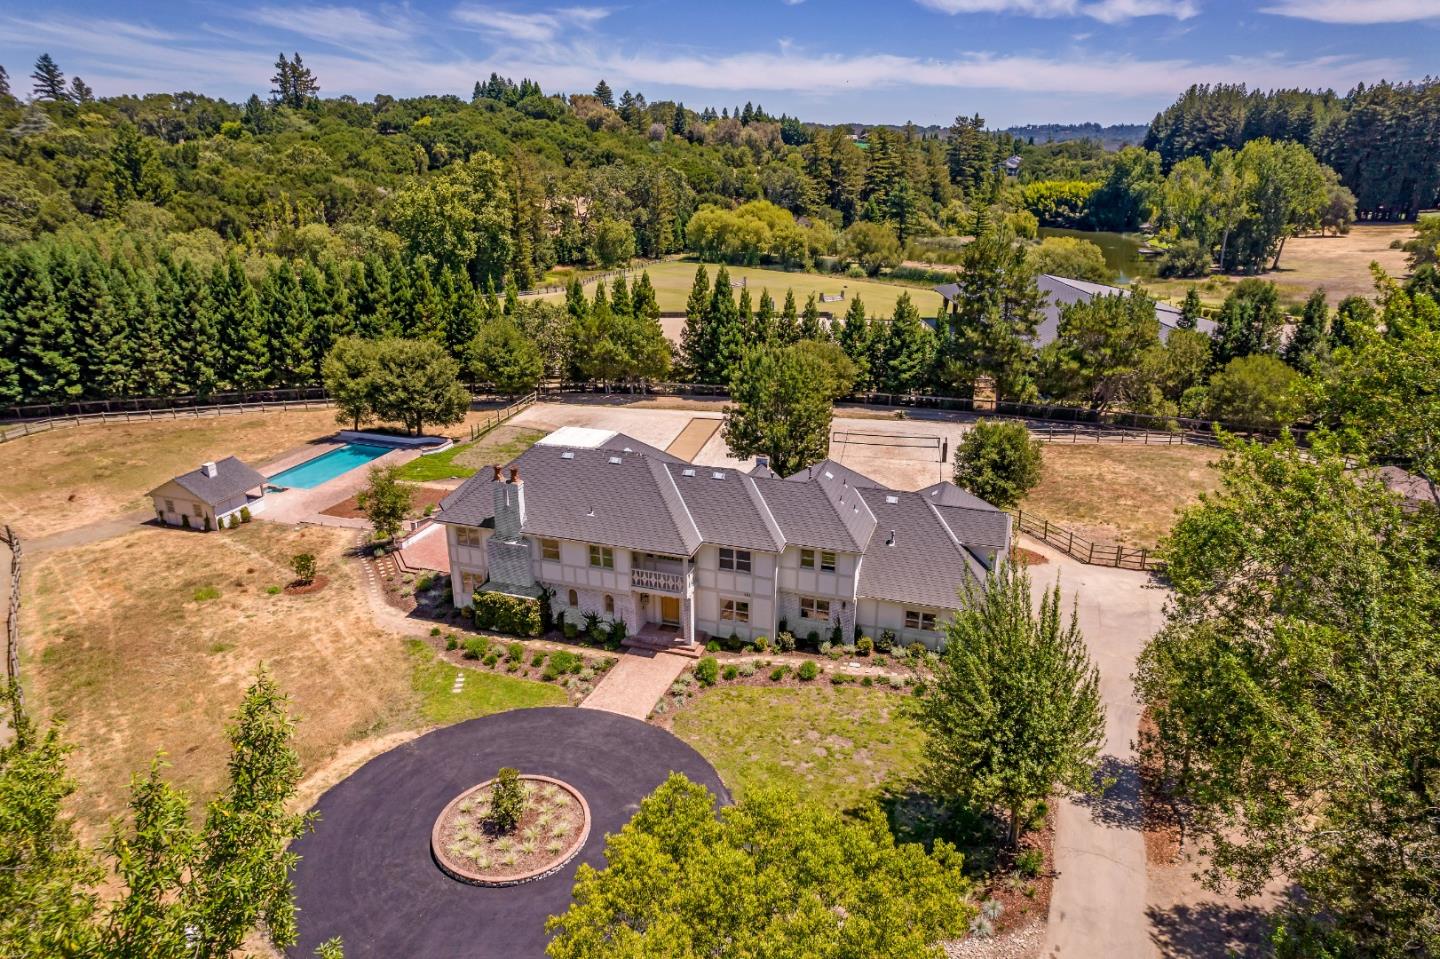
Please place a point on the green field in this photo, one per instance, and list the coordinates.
(499, 446)
(836, 746)
(673, 279)
(483, 693)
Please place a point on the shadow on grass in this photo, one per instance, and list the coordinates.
(917, 816)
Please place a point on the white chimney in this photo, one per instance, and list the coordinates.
(509, 506)
(209, 469)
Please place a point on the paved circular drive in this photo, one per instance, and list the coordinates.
(366, 873)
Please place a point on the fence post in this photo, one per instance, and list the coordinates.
(1143, 564)
(1090, 559)
(1070, 546)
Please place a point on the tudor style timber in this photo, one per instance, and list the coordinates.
(679, 551)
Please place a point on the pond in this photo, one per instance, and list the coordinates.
(1122, 251)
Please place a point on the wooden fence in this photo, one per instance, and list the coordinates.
(29, 427)
(587, 281)
(1079, 548)
(12, 619)
(501, 415)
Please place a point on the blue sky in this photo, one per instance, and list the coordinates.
(1013, 61)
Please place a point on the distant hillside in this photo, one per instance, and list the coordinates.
(1112, 137)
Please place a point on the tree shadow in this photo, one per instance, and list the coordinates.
(1115, 800)
(917, 816)
(1211, 929)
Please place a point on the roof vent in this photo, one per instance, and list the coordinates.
(590, 511)
(615, 459)
(890, 540)
(829, 475)
(892, 500)
(687, 472)
(717, 475)
(568, 455)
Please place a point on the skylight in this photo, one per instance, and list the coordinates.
(892, 500)
(687, 472)
(717, 475)
(568, 455)
(615, 459)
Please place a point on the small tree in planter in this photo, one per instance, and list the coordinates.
(507, 800)
(303, 565)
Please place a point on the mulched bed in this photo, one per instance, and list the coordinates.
(545, 836)
(420, 497)
(1159, 819)
(298, 588)
(1027, 557)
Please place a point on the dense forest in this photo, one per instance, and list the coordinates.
(176, 243)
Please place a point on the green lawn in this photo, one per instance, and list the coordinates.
(499, 446)
(836, 745)
(672, 280)
(484, 693)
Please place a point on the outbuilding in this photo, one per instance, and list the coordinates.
(206, 497)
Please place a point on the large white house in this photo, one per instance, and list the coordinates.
(681, 552)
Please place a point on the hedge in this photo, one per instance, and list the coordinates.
(515, 615)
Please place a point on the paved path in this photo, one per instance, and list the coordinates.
(635, 684)
(366, 874)
(1098, 907)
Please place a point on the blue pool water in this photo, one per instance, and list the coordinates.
(327, 466)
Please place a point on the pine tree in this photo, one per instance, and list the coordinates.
(287, 320)
(787, 327)
(725, 331)
(4, 84)
(1191, 310)
(992, 326)
(145, 329)
(48, 367)
(427, 319)
(303, 85)
(80, 91)
(909, 350)
(197, 332)
(1309, 343)
(605, 95)
(49, 81)
(620, 303)
(695, 335)
(283, 82)
(645, 302)
(810, 326)
(244, 350)
(854, 338)
(763, 326)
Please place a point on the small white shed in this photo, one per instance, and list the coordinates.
(206, 497)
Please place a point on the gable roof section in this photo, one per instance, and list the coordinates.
(725, 509)
(807, 517)
(232, 478)
(948, 494)
(925, 565)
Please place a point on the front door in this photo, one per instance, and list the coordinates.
(670, 610)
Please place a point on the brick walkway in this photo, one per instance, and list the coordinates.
(635, 684)
(428, 550)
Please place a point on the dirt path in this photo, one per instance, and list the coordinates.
(95, 532)
(635, 684)
(1098, 906)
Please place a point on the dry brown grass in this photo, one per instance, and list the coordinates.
(77, 475)
(119, 644)
(1121, 494)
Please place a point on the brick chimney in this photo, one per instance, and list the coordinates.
(509, 506)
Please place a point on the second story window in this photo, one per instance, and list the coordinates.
(807, 559)
(467, 536)
(824, 560)
(550, 550)
(602, 557)
(735, 560)
(827, 562)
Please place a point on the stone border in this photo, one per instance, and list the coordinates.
(474, 879)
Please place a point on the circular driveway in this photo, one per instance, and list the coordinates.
(366, 874)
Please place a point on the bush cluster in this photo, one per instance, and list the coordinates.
(516, 615)
(707, 670)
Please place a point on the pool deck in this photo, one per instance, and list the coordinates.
(298, 505)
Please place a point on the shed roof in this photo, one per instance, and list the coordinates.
(232, 478)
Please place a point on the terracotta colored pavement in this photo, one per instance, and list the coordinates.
(635, 684)
(428, 550)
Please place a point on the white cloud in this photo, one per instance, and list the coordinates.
(541, 26)
(1357, 11)
(1106, 11)
(346, 27)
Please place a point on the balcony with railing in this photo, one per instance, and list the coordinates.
(657, 581)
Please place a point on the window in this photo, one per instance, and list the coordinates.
(602, 557)
(807, 559)
(609, 605)
(169, 506)
(197, 509)
(736, 560)
(467, 536)
(550, 550)
(735, 611)
(914, 619)
(470, 582)
(827, 562)
(573, 598)
(812, 608)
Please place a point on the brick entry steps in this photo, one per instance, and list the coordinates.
(635, 684)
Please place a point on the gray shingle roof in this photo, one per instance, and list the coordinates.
(948, 494)
(977, 527)
(807, 517)
(726, 508)
(924, 564)
(232, 478)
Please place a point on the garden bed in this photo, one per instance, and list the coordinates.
(299, 588)
(551, 829)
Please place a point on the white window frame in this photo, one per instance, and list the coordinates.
(467, 536)
(735, 610)
(736, 560)
(814, 609)
(807, 559)
(550, 550)
(827, 561)
(470, 582)
(919, 619)
(602, 557)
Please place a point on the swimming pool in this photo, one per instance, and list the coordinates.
(327, 466)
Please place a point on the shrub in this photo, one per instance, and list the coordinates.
(565, 662)
(868, 681)
(707, 670)
(808, 670)
(886, 642)
(865, 646)
(779, 673)
(569, 629)
(1029, 863)
(207, 522)
(476, 647)
(837, 635)
(783, 625)
(712, 647)
(185, 520)
(516, 615)
(762, 643)
(434, 630)
(514, 652)
(730, 672)
(918, 651)
(492, 659)
(837, 680)
(451, 643)
(507, 800)
(538, 659)
(619, 629)
(592, 626)
(244, 514)
(273, 590)
(785, 641)
(812, 639)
